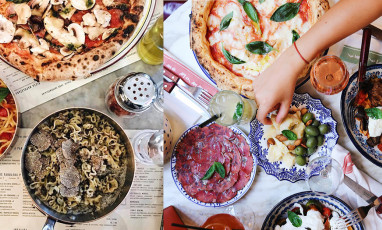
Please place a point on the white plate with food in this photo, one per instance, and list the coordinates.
(308, 210)
(213, 166)
(284, 150)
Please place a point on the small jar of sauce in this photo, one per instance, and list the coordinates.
(131, 95)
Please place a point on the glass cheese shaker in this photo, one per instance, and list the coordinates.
(131, 95)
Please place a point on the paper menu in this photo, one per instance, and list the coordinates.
(141, 209)
(30, 93)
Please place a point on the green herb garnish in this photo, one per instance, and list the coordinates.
(232, 59)
(295, 36)
(259, 47)
(251, 12)
(226, 21)
(286, 12)
(294, 219)
(289, 134)
(3, 93)
(374, 113)
(215, 167)
(238, 112)
(89, 3)
(66, 11)
(71, 47)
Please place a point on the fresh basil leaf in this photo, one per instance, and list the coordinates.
(238, 112)
(259, 47)
(261, 1)
(374, 113)
(209, 172)
(289, 134)
(219, 168)
(294, 219)
(3, 93)
(18, 1)
(295, 36)
(232, 59)
(286, 12)
(226, 21)
(251, 11)
(241, 1)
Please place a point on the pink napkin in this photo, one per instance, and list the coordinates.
(373, 221)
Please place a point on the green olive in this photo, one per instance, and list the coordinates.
(311, 142)
(316, 123)
(312, 131)
(299, 150)
(312, 150)
(324, 129)
(307, 117)
(307, 136)
(320, 140)
(300, 160)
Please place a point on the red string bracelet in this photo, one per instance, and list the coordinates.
(294, 43)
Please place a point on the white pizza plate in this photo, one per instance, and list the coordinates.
(239, 194)
(139, 31)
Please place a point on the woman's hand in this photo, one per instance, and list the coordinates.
(274, 88)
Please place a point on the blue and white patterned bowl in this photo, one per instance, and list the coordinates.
(239, 194)
(296, 173)
(281, 209)
(359, 140)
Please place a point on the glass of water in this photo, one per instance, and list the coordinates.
(148, 147)
(324, 175)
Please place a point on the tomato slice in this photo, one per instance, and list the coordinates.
(326, 212)
(93, 43)
(3, 112)
(77, 17)
(379, 147)
(116, 21)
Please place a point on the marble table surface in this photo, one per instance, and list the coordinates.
(92, 95)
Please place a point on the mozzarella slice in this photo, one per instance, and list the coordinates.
(103, 17)
(89, 19)
(7, 30)
(23, 12)
(108, 2)
(83, 4)
(94, 32)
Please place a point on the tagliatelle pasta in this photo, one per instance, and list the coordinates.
(76, 162)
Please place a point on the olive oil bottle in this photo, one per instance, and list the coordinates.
(150, 48)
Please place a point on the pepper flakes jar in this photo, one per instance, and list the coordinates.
(131, 95)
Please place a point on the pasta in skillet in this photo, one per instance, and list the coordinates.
(76, 162)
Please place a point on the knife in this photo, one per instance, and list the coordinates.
(368, 196)
(173, 89)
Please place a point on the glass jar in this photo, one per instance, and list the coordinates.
(131, 95)
(150, 48)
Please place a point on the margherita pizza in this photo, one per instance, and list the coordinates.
(236, 40)
(53, 40)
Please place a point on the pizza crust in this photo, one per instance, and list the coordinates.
(224, 78)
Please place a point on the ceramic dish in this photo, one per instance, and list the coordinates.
(281, 209)
(296, 173)
(371, 153)
(239, 194)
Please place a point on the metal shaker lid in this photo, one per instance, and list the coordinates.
(135, 92)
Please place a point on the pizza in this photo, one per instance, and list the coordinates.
(52, 40)
(236, 40)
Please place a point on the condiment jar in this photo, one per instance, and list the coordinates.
(131, 95)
